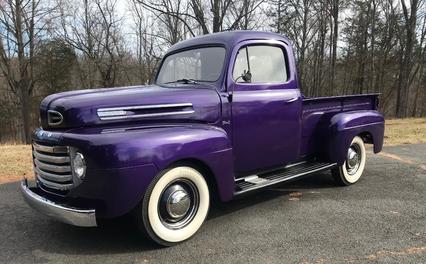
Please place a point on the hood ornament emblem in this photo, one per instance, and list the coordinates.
(54, 118)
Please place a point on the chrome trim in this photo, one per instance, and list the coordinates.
(172, 217)
(53, 185)
(52, 168)
(115, 113)
(51, 149)
(294, 164)
(272, 182)
(49, 118)
(112, 113)
(363, 125)
(51, 159)
(53, 177)
(178, 202)
(148, 115)
(254, 179)
(292, 100)
(69, 215)
(138, 107)
(353, 159)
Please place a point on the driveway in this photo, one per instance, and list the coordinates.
(381, 219)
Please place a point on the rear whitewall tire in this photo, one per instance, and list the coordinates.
(158, 227)
(344, 174)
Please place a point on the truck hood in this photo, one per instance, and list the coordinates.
(130, 104)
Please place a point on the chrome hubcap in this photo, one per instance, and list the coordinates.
(353, 159)
(178, 204)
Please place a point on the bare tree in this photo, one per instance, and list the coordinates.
(208, 16)
(95, 30)
(335, 6)
(297, 20)
(406, 65)
(22, 23)
(146, 51)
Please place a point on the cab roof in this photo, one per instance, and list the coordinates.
(228, 39)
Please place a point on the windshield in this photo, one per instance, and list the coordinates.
(201, 64)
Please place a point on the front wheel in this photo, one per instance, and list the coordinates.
(353, 167)
(174, 206)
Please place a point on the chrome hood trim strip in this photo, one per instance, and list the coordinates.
(125, 112)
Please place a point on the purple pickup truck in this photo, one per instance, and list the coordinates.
(224, 118)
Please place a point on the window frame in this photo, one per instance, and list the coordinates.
(260, 85)
(213, 45)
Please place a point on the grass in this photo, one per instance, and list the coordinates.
(405, 131)
(15, 160)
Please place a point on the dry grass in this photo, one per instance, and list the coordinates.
(405, 131)
(15, 160)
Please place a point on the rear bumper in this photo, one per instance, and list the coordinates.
(69, 215)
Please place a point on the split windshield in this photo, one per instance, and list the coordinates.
(195, 65)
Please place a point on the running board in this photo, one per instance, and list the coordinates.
(254, 182)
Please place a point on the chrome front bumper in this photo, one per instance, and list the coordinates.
(69, 215)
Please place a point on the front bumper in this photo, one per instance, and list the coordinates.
(69, 215)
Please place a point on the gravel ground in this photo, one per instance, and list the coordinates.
(382, 219)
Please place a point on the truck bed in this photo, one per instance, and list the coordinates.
(318, 111)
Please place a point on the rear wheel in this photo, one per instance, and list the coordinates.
(174, 206)
(353, 167)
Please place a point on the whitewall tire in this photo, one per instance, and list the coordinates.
(353, 167)
(175, 205)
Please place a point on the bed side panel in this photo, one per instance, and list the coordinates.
(317, 113)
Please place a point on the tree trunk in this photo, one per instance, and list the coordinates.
(25, 114)
(334, 44)
(406, 65)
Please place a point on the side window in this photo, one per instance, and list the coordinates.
(266, 64)
(240, 65)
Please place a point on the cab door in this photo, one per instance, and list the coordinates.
(266, 107)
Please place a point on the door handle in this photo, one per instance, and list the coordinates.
(291, 100)
(227, 95)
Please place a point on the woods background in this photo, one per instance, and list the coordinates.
(342, 47)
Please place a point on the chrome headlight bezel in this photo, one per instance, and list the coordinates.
(78, 165)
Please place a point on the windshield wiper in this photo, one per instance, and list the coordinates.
(184, 80)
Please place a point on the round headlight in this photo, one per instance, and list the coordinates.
(79, 165)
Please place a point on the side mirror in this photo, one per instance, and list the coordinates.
(246, 76)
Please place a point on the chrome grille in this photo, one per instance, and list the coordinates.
(52, 166)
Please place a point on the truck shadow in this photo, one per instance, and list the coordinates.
(316, 181)
(119, 236)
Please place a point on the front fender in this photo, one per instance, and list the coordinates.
(124, 161)
(345, 126)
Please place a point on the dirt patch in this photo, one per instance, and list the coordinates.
(295, 196)
(406, 251)
(400, 159)
(396, 157)
(15, 162)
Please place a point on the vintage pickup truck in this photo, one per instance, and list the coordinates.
(224, 117)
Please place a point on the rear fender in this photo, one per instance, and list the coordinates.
(345, 126)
